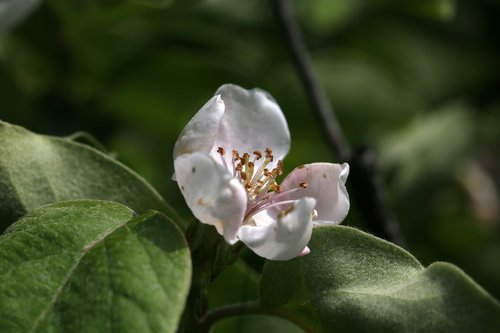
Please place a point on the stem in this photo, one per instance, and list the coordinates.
(315, 93)
(210, 255)
(366, 181)
(242, 309)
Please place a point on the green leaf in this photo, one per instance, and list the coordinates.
(161, 4)
(439, 10)
(89, 140)
(256, 324)
(238, 283)
(36, 170)
(354, 282)
(430, 146)
(92, 266)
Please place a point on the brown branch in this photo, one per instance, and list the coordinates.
(314, 92)
(366, 182)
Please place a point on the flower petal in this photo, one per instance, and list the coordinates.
(325, 183)
(201, 131)
(252, 121)
(281, 237)
(212, 194)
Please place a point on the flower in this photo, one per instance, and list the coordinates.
(226, 162)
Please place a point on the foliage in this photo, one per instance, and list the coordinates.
(354, 282)
(84, 266)
(37, 170)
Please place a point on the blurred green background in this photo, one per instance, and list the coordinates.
(417, 81)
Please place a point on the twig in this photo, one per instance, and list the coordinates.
(315, 94)
(366, 181)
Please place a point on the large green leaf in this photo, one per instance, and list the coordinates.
(256, 324)
(354, 282)
(36, 170)
(92, 266)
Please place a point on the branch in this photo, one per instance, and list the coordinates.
(366, 181)
(316, 95)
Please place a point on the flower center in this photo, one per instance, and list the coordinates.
(259, 180)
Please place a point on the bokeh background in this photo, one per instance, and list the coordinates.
(418, 81)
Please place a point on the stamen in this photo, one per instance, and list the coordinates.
(263, 192)
(236, 157)
(249, 171)
(259, 181)
(267, 206)
(261, 170)
(261, 199)
(222, 152)
(280, 167)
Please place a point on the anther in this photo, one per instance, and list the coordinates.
(258, 154)
(222, 152)
(303, 185)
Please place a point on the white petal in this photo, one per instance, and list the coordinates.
(252, 121)
(212, 194)
(284, 236)
(201, 131)
(325, 183)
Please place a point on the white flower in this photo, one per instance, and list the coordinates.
(226, 163)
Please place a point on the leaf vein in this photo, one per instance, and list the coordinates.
(66, 279)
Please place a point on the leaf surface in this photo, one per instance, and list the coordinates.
(36, 170)
(92, 266)
(354, 282)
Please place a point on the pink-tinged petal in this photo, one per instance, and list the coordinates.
(212, 194)
(201, 131)
(281, 237)
(252, 121)
(305, 251)
(326, 183)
